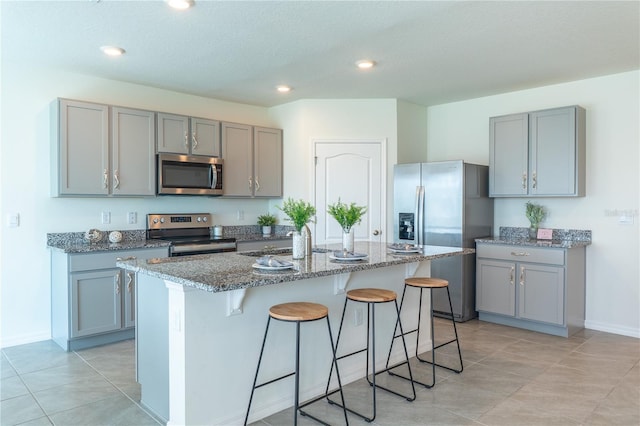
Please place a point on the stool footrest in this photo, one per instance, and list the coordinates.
(400, 376)
(438, 365)
(274, 380)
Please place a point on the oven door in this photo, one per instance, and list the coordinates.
(189, 175)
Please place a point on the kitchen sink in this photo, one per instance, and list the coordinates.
(278, 251)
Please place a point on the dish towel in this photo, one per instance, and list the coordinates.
(272, 261)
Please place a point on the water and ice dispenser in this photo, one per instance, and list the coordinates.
(406, 228)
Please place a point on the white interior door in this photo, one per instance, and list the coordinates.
(353, 172)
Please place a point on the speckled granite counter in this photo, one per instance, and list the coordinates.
(233, 271)
(74, 242)
(561, 238)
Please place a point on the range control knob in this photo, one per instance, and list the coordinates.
(204, 219)
(199, 219)
(155, 220)
(162, 220)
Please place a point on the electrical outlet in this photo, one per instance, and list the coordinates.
(132, 217)
(358, 317)
(106, 218)
(240, 214)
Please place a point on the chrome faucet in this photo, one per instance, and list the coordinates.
(308, 248)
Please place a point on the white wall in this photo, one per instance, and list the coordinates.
(461, 130)
(412, 133)
(25, 170)
(353, 119)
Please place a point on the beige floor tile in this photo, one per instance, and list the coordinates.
(517, 364)
(73, 371)
(487, 378)
(12, 387)
(6, 370)
(116, 410)
(510, 413)
(19, 410)
(65, 397)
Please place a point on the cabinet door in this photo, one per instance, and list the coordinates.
(495, 287)
(237, 152)
(173, 133)
(133, 152)
(552, 152)
(541, 293)
(267, 162)
(508, 155)
(96, 305)
(83, 148)
(205, 137)
(129, 292)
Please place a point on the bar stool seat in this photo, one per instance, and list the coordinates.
(427, 283)
(298, 312)
(372, 296)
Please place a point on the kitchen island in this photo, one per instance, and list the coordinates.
(201, 321)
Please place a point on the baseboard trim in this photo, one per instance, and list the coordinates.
(23, 340)
(612, 328)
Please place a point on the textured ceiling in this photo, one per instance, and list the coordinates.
(427, 52)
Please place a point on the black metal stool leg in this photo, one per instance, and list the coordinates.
(433, 350)
(255, 379)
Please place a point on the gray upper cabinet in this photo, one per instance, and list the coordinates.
(180, 134)
(132, 152)
(253, 161)
(93, 159)
(81, 154)
(538, 154)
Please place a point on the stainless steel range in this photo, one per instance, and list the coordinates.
(189, 234)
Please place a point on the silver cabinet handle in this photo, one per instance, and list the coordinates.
(186, 139)
(524, 180)
(194, 143)
(512, 275)
(534, 177)
(117, 282)
(257, 185)
(120, 259)
(522, 275)
(250, 183)
(519, 253)
(376, 232)
(129, 281)
(116, 180)
(105, 179)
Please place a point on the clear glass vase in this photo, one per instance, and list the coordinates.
(348, 240)
(533, 233)
(298, 245)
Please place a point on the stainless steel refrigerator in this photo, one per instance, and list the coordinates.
(445, 204)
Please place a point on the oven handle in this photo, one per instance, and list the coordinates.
(212, 248)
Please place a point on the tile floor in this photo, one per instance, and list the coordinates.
(510, 377)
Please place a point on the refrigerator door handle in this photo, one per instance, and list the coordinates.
(419, 215)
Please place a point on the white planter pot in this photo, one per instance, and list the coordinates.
(348, 240)
(298, 245)
(266, 230)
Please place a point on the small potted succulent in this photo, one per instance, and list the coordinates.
(536, 214)
(266, 221)
(347, 216)
(299, 213)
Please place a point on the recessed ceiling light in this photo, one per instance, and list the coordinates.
(180, 4)
(283, 89)
(112, 50)
(366, 64)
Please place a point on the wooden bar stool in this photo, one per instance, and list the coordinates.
(372, 297)
(430, 284)
(298, 312)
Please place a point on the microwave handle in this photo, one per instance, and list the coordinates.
(213, 176)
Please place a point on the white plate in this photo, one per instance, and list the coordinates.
(413, 250)
(348, 259)
(271, 268)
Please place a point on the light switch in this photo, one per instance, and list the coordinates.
(13, 220)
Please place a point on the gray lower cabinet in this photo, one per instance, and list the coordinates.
(93, 158)
(93, 301)
(541, 289)
(253, 161)
(538, 154)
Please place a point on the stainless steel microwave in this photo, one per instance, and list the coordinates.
(189, 175)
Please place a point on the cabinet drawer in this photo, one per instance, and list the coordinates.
(107, 259)
(263, 244)
(551, 256)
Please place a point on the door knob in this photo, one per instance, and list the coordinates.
(376, 232)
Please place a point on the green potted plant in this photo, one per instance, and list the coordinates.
(266, 221)
(347, 215)
(299, 213)
(536, 214)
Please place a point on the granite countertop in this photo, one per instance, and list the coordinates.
(257, 237)
(233, 271)
(561, 238)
